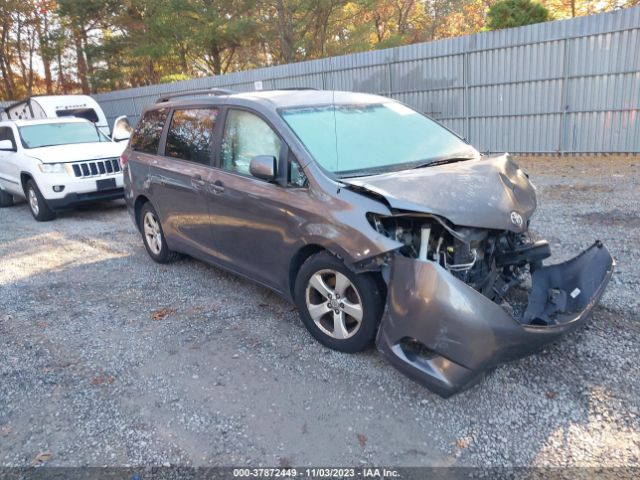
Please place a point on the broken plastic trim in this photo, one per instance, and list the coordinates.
(558, 290)
(466, 333)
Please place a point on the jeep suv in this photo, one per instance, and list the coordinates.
(374, 219)
(56, 164)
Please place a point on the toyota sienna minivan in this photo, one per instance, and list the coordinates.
(377, 221)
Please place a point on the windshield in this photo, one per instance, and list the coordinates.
(351, 140)
(50, 134)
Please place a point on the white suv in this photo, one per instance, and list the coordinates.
(57, 163)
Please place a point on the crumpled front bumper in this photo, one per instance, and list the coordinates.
(461, 333)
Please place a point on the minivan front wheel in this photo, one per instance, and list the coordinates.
(340, 308)
(153, 236)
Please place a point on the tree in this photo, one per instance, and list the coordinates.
(66, 46)
(468, 16)
(515, 13)
(83, 19)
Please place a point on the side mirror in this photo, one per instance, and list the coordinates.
(263, 167)
(121, 129)
(7, 146)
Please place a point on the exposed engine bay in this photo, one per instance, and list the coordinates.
(462, 299)
(498, 264)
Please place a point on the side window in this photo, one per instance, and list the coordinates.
(297, 178)
(245, 136)
(189, 135)
(86, 113)
(146, 137)
(7, 134)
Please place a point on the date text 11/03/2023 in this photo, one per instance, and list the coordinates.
(313, 473)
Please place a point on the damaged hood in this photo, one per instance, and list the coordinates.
(481, 193)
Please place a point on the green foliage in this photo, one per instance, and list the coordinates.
(174, 77)
(515, 13)
(65, 46)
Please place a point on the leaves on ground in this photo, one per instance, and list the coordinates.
(162, 313)
(463, 442)
(41, 458)
(102, 380)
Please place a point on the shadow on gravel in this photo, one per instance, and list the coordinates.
(91, 211)
(611, 218)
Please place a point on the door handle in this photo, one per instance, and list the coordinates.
(217, 187)
(197, 182)
(160, 180)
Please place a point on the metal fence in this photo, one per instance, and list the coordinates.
(570, 86)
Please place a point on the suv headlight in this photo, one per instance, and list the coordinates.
(52, 168)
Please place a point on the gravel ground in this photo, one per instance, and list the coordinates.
(107, 358)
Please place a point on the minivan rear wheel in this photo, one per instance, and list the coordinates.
(339, 307)
(153, 236)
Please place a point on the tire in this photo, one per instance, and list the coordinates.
(37, 203)
(153, 236)
(331, 314)
(6, 200)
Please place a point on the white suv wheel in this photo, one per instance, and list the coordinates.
(33, 202)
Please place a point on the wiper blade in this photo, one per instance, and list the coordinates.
(443, 161)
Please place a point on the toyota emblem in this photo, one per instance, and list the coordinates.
(516, 219)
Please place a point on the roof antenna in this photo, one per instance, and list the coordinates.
(335, 121)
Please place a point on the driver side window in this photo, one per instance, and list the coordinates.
(7, 134)
(245, 136)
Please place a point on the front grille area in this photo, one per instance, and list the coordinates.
(94, 168)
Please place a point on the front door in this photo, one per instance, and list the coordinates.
(252, 223)
(10, 164)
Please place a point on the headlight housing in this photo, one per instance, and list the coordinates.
(52, 168)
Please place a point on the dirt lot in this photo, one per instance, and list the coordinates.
(109, 359)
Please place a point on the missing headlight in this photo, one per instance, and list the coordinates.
(462, 252)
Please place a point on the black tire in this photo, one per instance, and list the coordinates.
(363, 289)
(161, 254)
(40, 209)
(6, 200)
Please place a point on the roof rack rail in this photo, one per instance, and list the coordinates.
(297, 88)
(205, 91)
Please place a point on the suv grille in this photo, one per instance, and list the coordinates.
(94, 168)
(105, 166)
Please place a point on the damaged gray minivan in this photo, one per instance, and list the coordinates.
(378, 222)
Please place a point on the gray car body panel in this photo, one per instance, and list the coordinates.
(465, 331)
(261, 230)
(472, 193)
(253, 227)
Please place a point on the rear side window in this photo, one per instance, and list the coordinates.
(86, 113)
(146, 137)
(190, 133)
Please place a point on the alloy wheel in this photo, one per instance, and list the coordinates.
(33, 202)
(152, 233)
(334, 304)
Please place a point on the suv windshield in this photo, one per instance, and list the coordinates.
(351, 140)
(51, 134)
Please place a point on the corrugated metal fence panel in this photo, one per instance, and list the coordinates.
(567, 86)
